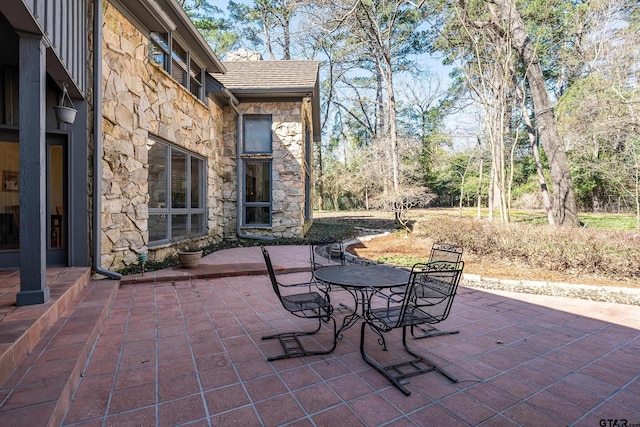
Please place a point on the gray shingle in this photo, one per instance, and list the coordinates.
(269, 75)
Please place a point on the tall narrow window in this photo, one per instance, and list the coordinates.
(257, 148)
(176, 193)
(195, 83)
(179, 64)
(258, 192)
(159, 49)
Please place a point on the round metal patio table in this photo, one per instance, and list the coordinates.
(360, 281)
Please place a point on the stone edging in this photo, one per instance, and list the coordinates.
(619, 295)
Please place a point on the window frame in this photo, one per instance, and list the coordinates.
(252, 157)
(172, 57)
(268, 204)
(168, 211)
(246, 118)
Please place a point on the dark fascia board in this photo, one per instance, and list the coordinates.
(215, 91)
(20, 17)
(167, 15)
(315, 112)
(191, 35)
(294, 93)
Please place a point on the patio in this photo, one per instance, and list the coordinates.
(186, 349)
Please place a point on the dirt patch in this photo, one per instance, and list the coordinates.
(404, 246)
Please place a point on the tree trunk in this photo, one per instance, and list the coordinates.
(380, 122)
(533, 141)
(492, 183)
(480, 179)
(393, 125)
(564, 204)
(320, 180)
(286, 48)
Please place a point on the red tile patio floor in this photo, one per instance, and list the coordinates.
(188, 351)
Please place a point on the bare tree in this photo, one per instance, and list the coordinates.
(506, 24)
(600, 113)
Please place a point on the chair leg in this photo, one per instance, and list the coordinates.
(434, 366)
(429, 331)
(400, 371)
(292, 345)
(384, 370)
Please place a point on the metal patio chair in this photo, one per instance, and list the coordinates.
(444, 253)
(314, 303)
(441, 251)
(335, 254)
(427, 300)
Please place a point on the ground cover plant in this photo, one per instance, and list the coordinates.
(576, 250)
(526, 249)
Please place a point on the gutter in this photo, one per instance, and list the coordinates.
(233, 102)
(97, 141)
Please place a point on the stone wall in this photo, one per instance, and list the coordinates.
(287, 173)
(141, 99)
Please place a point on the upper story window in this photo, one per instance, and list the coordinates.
(195, 84)
(159, 49)
(167, 53)
(179, 64)
(257, 134)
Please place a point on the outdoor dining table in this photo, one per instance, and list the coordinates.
(360, 281)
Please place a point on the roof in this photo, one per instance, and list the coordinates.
(253, 81)
(293, 78)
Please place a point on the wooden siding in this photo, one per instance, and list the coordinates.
(64, 23)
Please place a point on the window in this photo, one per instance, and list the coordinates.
(195, 83)
(257, 205)
(159, 49)
(257, 143)
(257, 134)
(165, 52)
(179, 64)
(176, 193)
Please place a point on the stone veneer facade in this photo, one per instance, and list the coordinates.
(140, 99)
(288, 170)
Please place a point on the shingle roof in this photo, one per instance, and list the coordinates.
(279, 76)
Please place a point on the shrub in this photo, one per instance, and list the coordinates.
(614, 254)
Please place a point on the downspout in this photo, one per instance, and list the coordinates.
(97, 141)
(233, 102)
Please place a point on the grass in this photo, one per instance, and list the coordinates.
(402, 261)
(609, 221)
(599, 221)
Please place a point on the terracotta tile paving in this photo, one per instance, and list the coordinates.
(189, 352)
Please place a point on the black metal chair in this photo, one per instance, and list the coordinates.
(441, 251)
(444, 253)
(312, 304)
(427, 300)
(335, 253)
(437, 293)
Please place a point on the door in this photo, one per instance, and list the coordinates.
(57, 219)
(57, 224)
